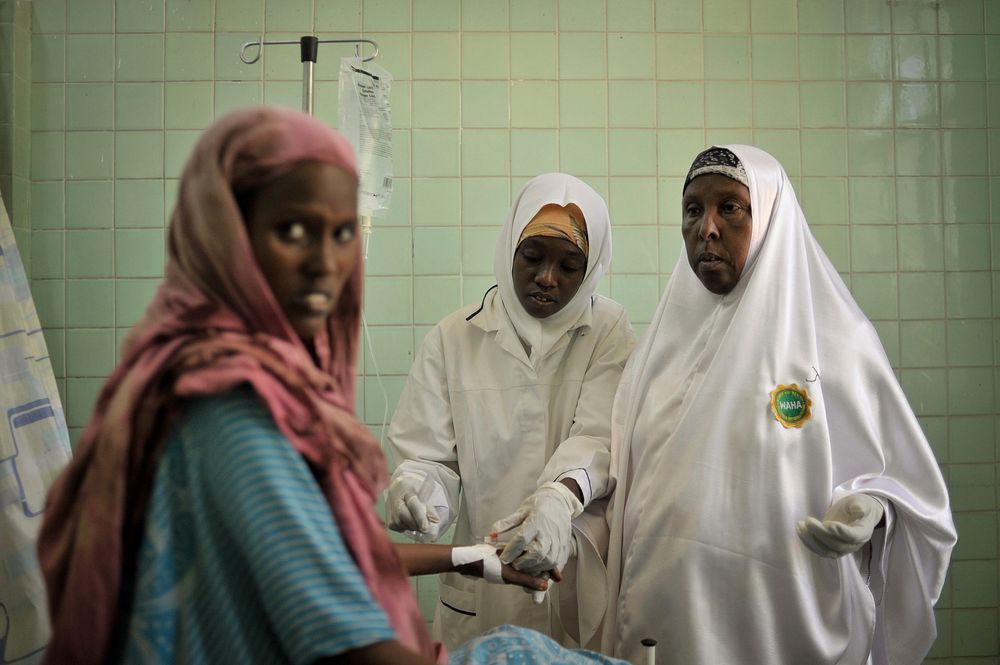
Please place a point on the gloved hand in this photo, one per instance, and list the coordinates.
(540, 538)
(847, 525)
(417, 506)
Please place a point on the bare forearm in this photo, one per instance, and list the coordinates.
(431, 559)
(574, 487)
(428, 559)
(425, 559)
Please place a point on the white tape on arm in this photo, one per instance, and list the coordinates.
(492, 570)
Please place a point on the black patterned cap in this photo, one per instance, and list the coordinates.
(717, 160)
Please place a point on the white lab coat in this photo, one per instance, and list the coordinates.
(491, 425)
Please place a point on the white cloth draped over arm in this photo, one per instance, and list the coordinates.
(583, 594)
(910, 555)
(588, 447)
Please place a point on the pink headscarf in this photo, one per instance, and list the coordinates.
(213, 325)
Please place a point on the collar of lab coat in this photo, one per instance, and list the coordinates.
(493, 318)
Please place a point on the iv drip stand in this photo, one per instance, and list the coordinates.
(309, 49)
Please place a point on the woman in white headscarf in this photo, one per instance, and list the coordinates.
(508, 405)
(760, 398)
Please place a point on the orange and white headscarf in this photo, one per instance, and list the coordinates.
(555, 221)
(561, 192)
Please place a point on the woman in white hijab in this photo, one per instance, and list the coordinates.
(508, 404)
(761, 396)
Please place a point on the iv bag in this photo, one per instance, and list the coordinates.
(366, 120)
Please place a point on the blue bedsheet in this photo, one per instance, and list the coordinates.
(511, 645)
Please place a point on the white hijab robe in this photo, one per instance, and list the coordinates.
(490, 420)
(703, 554)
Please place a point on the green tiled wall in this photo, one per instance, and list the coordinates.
(885, 114)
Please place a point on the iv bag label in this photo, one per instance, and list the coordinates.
(365, 118)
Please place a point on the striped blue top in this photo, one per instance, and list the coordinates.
(242, 561)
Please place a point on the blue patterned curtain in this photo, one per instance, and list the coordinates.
(34, 447)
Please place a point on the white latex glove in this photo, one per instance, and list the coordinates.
(540, 537)
(846, 527)
(417, 506)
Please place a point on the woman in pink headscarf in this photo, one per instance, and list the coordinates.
(194, 524)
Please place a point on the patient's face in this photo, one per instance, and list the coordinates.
(716, 225)
(303, 232)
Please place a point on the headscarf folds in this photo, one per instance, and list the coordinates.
(563, 222)
(717, 160)
(212, 326)
(557, 189)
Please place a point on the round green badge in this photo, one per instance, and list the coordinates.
(791, 405)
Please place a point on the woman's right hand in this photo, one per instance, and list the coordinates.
(417, 506)
(512, 575)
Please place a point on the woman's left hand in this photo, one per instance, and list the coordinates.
(845, 528)
(539, 534)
